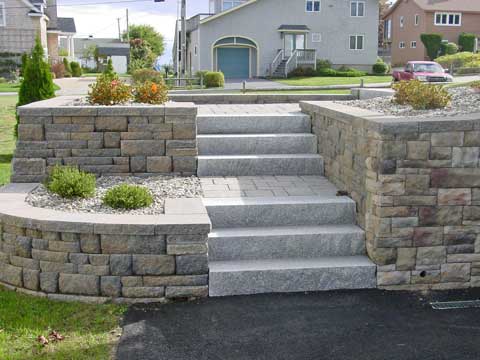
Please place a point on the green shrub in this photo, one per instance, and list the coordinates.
(461, 59)
(214, 79)
(421, 96)
(467, 42)
(201, 73)
(467, 70)
(68, 68)
(141, 76)
(380, 68)
(448, 48)
(432, 43)
(3, 80)
(69, 182)
(340, 73)
(151, 93)
(324, 64)
(76, 69)
(128, 197)
(302, 72)
(109, 90)
(37, 81)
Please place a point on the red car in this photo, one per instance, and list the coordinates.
(427, 71)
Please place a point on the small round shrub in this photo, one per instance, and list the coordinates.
(69, 182)
(421, 96)
(302, 72)
(128, 197)
(109, 90)
(76, 69)
(324, 64)
(380, 68)
(141, 76)
(151, 93)
(214, 79)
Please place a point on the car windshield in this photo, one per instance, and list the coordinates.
(427, 68)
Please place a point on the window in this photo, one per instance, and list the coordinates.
(413, 44)
(316, 37)
(356, 42)
(448, 19)
(388, 29)
(417, 19)
(402, 22)
(3, 16)
(357, 8)
(228, 4)
(313, 6)
(195, 50)
(401, 45)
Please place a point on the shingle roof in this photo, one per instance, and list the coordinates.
(441, 5)
(67, 25)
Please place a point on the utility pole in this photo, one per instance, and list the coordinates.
(183, 37)
(128, 27)
(119, 32)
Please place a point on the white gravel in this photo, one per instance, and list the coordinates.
(161, 187)
(464, 101)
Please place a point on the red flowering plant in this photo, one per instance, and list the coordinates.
(151, 93)
(109, 90)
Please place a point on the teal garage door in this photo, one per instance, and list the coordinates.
(234, 62)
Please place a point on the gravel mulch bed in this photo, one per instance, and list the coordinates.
(161, 187)
(464, 101)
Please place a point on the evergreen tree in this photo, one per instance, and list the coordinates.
(109, 71)
(37, 81)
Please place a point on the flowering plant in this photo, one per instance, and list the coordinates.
(109, 90)
(151, 93)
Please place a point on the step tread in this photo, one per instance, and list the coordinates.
(280, 200)
(290, 264)
(255, 115)
(284, 231)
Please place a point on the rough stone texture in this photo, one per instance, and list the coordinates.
(417, 188)
(127, 134)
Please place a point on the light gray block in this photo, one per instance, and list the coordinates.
(285, 242)
(248, 165)
(291, 275)
(248, 144)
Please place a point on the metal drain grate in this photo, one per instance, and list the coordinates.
(450, 305)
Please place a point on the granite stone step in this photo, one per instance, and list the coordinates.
(280, 211)
(269, 164)
(242, 277)
(254, 124)
(248, 144)
(283, 242)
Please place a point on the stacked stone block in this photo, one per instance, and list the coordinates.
(105, 140)
(123, 263)
(416, 183)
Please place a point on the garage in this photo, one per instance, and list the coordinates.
(234, 62)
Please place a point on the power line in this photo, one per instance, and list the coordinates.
(84, 4)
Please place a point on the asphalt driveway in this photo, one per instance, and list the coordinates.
(356, 325)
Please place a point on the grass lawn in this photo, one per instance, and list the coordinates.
(7, 140)
(5, 87)
(325, 81)
(90, 331)
(299, 92)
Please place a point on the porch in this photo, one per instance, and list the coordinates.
(284, 63)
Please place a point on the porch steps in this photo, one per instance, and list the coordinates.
(279, 72)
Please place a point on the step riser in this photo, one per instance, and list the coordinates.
(260, 166)
(293, 280)
(281, 215)
(253, 124)
(256, 145)
(283, 247)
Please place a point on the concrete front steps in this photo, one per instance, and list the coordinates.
(286, 244)
(257, 144)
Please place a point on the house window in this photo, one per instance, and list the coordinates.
(448, 19)
(3, 16)
(401, 45)
(357, 8)
(195, 50)
(402, 22)
(388, 29)
(417, 19)
(228, 4)
(316, 37)
(356, 42)
(413, 44)
(313, 6)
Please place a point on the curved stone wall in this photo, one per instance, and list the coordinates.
(101, 257)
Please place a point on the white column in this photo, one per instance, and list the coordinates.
(72, 48)
(68, 47)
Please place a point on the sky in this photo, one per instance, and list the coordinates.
(100, 20)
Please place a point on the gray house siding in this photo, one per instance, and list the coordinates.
(260, 20)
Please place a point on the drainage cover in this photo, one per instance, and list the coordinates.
(450, 305)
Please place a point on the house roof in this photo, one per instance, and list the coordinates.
(293, 28)
(106, 46)
(441, 5)
(226, 12)
(66, 25)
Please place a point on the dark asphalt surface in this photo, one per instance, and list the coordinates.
(356, 325)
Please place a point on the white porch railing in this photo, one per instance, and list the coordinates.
(307, 57)
(276, 62)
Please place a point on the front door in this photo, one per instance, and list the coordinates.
(293, 42)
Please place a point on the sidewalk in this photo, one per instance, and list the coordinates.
(341, 325)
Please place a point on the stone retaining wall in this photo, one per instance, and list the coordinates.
(105, 140)
(416, 183)
(88, 257)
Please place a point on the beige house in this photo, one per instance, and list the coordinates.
(22, 20)
(406, 20)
